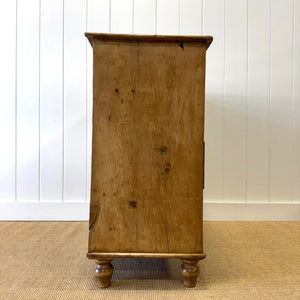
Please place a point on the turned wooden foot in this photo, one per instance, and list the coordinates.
(190, 271)
(103, 272)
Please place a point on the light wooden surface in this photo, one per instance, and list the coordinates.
(148, 148)
(96, 255)
(147, 167)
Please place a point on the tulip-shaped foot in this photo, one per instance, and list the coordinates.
(103, 272)
(190, 271)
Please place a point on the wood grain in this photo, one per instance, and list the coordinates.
(204, 39)
(147, 152)
(96, 255)
(190, 272)
(103, 272)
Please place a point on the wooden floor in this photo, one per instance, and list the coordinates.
(245, 260)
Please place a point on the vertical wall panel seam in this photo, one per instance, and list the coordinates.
(202, 25)
(16, 103)
(179, 16)
(63, 102)
(39, 117)
(270, 104)
(86, 103)
(247, 83)
(223, 110)
(132, 30)
(202, 16)
(110, 16)
(156, 16)
(293, 103)
(224, 93)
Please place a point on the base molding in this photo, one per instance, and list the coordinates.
(71, 211)
(99, 255)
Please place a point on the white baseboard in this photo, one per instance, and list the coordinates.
(251, 212)
(212, 212)
(45, 211)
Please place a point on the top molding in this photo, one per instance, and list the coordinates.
(205, 39)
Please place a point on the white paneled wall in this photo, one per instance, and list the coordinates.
(281, 100)
(8, 107)
(258, 100)
(27, 121)
(252, 93)
(51, 101)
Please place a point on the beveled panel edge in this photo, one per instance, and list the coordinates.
(205, 39)
(97, 255)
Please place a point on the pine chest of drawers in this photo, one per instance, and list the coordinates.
(147, 150)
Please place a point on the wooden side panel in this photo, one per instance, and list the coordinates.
(110, 216)
(147, 148)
